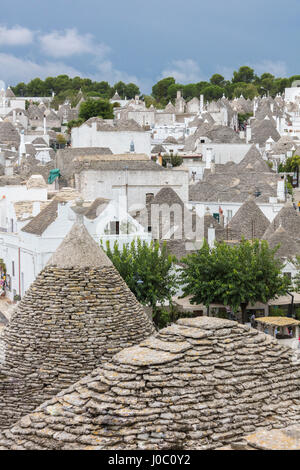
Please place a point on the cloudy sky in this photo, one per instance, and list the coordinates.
(143, 41)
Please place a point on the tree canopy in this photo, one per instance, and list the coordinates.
(148, 270)
(174, 160)
(244, 81)
(96, 108)
(297, 277)
(65, 87)
(234, 275)
(291, 164)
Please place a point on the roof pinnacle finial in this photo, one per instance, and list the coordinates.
(79, 210)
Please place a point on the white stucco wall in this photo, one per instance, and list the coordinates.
(292, 93)
(21, 193)
(118, 142)
(224, 153)
(112, 184)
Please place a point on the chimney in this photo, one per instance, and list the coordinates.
(208, 159)
(272, 107)
(36, 209)
(22, 148)
(248, 134)
(149, 198)
(178, 94)
(14, 115)
(201, 103)
(211, 236)
(45, 125)
(8, 169)
(281, 190)
(222, 220)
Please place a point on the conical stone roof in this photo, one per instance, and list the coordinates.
(201, 383)
(9, 93)
(289, 219)
(288, 247)
(9, 134)
(253, 161)
(249, 222)
(262, 130)
(79, 251)
(77, 313)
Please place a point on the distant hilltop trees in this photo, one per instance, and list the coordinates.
(66, 88)
(244, 82)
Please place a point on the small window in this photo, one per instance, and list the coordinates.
(115, 228)
(13, 268)
(149, 229)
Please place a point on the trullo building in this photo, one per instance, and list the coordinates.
(76, 314)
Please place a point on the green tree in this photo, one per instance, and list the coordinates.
(265, 76)
(296, 280)
(160, 89)
(20, 89)
(132, 90)
(120, 88)
(189, 91)
(244, 74)
(243, 117)
(213, 92)
(36, 87)
(234, 275)
(149, 100)
(291, 164)
(148, 270)
(96, 108)
(172, 91)
(248, 90)
(218, 80)
(175, 160)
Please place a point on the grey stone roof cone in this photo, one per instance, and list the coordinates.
(78, 313)
(79, 250)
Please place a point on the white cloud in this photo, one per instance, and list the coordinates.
(60, 45)
(14, 69)
(15, 36)
(107, 72)
(70, 42)
(277, 68)
(184, 71)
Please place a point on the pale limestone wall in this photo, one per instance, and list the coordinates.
(118, 141)
(112, 184)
